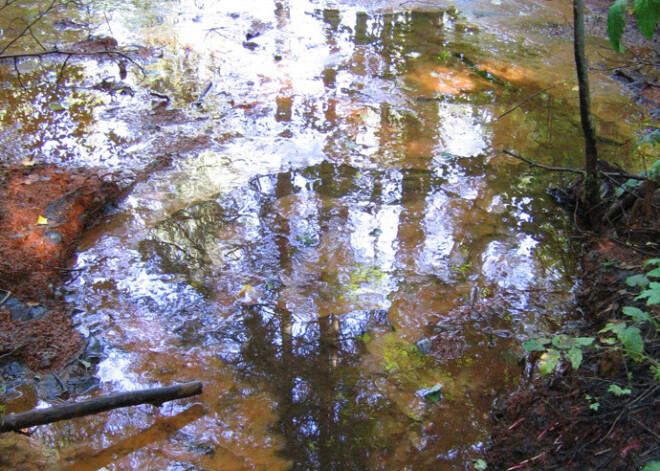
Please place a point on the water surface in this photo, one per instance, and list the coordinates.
(336, 204)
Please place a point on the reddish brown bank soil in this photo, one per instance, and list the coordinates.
(44, 211)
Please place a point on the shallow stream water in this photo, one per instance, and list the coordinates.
(336, 231)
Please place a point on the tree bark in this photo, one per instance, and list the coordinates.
(156, 396)
(592, 185)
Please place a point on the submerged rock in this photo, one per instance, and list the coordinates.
(424, 346)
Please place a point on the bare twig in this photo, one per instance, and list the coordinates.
(155, 396)
(545, 167)
(4, 300)
(632, 247)
(644, 426)
(573, 170)
(18, 74)
(29, 25)
(8, 354)
(60, 75)
(525, 101)
(8, 3)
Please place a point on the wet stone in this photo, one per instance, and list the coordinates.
(54, 237)
(424, 346)
(83, 384)
(94, 349)
(14, 371)
(50, 388)
(22, 312)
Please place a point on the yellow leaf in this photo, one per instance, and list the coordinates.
(28, 163)
(42, 221)
(246, 289)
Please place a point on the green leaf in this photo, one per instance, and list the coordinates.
(433, 394)
(575, 356)
(652, 466)
(584, 341)
(638, 315)
(549, 361)
(647, 14)
(652, 261)
(56, 106)
(637, 280)
(480, 465)
(535, 345)
(616, 390)
(631, 338)
(654, 273)
(617, 328)
(652, 295)
(563, 341)
(615, 23)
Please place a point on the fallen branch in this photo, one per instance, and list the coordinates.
(573, 170)
(156, 396)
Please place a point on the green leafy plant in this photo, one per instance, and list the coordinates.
(629, 336)
(652, 138)
(443, 56)
(560, 346)
(480, 465)
(594, 402)
(652, 466)
(618, 391)
(627, 333)
(647, 13)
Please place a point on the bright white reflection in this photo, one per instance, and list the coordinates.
(460, 131)
(374, 235)
(511, 266)
(116, 370)
(438, 231)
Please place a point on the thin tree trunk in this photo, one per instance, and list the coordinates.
(156, 396)
(591, 156)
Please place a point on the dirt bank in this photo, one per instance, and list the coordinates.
(44, 211)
